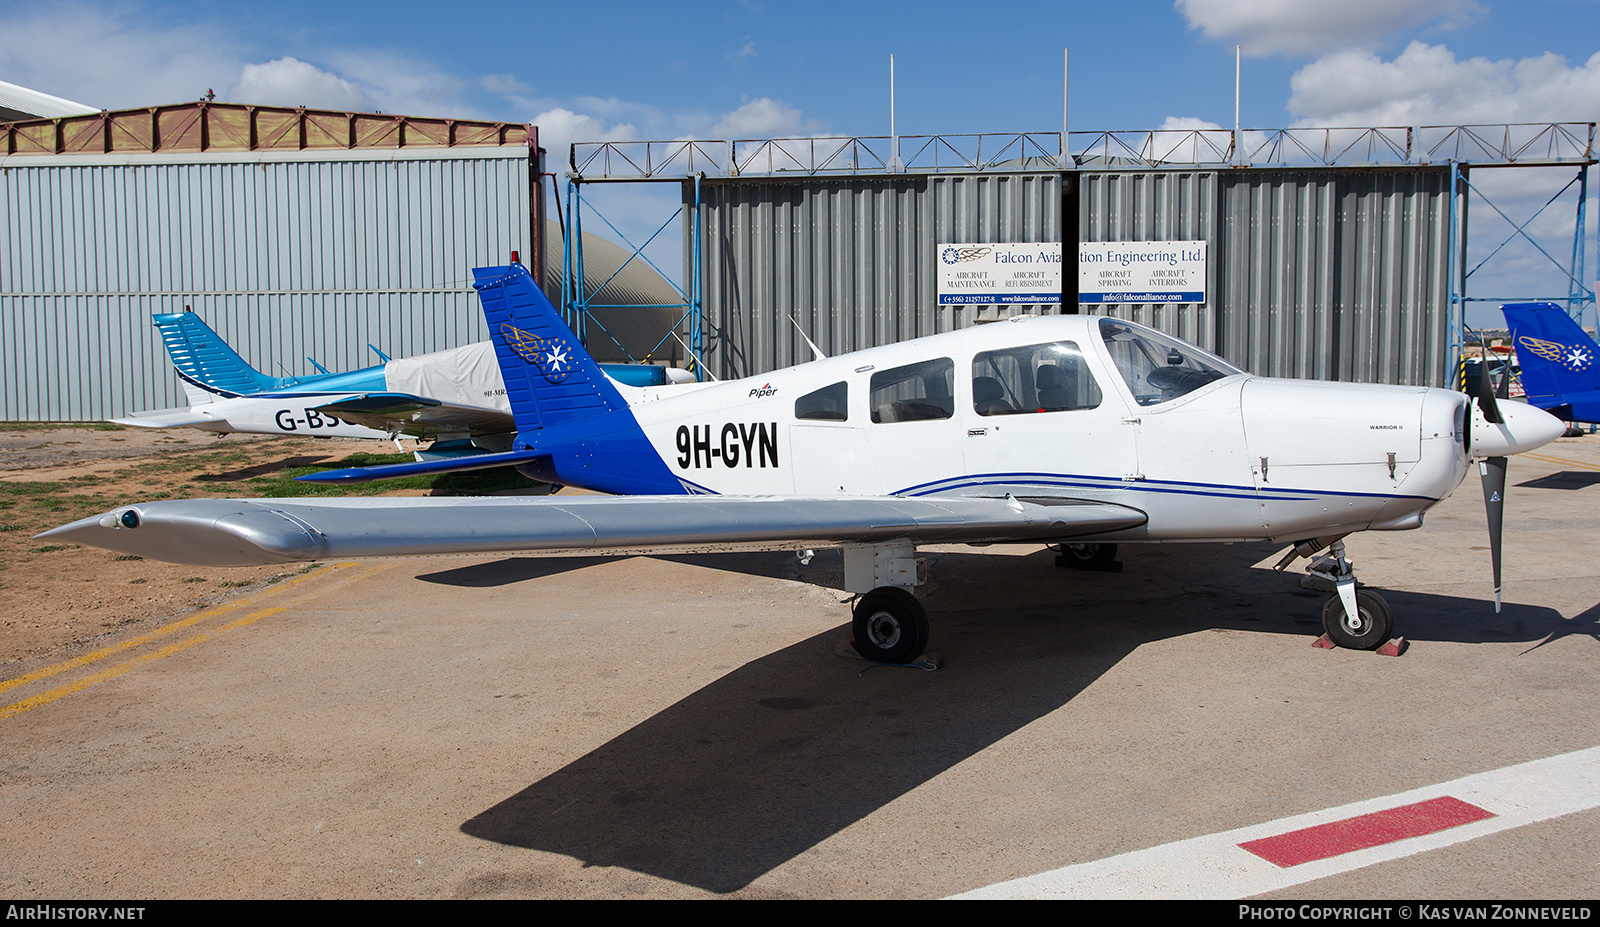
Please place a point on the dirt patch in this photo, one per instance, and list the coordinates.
(58, 598)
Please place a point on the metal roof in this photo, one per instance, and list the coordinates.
(205, 125)
(23, 103)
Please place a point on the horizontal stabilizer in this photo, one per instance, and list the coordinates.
(422, 468)
(240, 532)
(418, 416)
(182, 417)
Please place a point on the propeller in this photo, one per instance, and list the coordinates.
(1492, 473)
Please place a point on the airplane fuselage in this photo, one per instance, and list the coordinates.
(288, 414)
(1236, 457)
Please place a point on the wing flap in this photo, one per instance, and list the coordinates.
(242, 532)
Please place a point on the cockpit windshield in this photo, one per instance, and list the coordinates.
(1158, 367)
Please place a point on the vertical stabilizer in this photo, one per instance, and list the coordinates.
(209, 369)
(566, 408)
(1557, 357)
(550, 378)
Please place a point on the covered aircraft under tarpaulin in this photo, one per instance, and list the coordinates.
(1064, 430)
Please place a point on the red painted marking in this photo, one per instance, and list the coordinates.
(1365, 831)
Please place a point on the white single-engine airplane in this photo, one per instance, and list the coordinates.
(1060, 430)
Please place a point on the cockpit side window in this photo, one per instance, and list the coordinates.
(914, 393)
(828, 404)
(1157, 367)
(1035, 378)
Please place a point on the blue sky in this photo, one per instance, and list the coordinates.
(757, 68)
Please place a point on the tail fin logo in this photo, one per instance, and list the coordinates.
(1576, 359)
(549, 356)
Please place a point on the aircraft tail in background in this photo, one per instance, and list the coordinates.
(574, 425)
(209, 369)
(1560, 363)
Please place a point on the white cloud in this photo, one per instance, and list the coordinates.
(292, 82)
(560, 127)
(762, 117)
(504, 83)
(400, 84)
(113, 58)
(1427, 85)
(1268, 27)
(748, 50)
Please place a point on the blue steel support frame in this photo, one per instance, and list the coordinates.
(576, 303)
(1580, 297)
(1456, 316)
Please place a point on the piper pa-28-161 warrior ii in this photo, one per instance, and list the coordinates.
(1060, 430)
(454, 398)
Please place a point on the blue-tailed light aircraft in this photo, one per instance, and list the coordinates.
(454, 398)
(1061, 430)
(1560, 362)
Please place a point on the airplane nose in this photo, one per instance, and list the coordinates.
(1524, 429)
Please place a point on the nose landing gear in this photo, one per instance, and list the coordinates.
(1356, 619)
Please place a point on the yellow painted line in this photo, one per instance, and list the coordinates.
(121, 668)
(173, 628)
(1562, 461)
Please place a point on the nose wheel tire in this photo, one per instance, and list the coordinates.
(1367, 631)
(890, 626)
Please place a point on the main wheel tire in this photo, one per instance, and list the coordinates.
(1374, 621)
(890, 626)
(1087, 556)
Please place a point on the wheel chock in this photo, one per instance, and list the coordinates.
(1394, 648)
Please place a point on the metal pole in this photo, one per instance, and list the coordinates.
(1577, 290)
(894, 166)
(696, 295)
(1066, 154)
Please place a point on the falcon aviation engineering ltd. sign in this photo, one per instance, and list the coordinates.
(983, 274)
(1142, 272)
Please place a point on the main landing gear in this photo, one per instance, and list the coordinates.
(1356, 619)
(889, 624)
(1101, 557)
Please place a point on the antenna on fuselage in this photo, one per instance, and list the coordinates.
(814, 349)
(697, 359)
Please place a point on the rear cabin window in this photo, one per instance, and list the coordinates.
(914, 393)
(1036, 378)
(824, 405)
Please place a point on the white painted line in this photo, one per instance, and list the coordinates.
(1215, 867)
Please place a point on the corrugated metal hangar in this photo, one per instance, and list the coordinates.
(298, 232)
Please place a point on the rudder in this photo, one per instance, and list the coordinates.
(550, 379)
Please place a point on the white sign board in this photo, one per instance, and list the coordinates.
(1000, 273)
(1142, 272)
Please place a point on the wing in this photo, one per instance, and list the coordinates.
(242, 532)
(419, 416)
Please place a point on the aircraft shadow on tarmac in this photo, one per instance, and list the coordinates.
(273, 466)
(777, 756)
(1564, 479)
